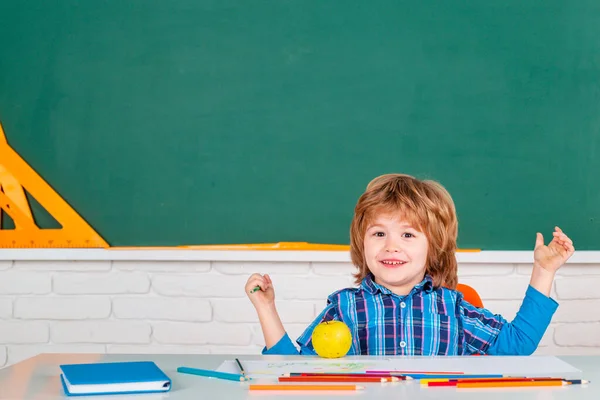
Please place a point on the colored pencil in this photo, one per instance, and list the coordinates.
(505, 380)
(305, 387)
(483, 376)
(211, 374)
(350, 374)
(337, 379)
(241, 368)
(453, 382)
(474, 385)
(577, 381)
(500, 381)
(426, 381)
(256, 289)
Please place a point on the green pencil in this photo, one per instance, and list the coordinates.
(257, 288)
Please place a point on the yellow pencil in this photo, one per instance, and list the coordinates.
(472, 385)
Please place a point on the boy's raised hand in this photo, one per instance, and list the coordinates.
(265, 295)
(556, 253)
(263, 299)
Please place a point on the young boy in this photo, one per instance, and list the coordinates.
(403, 242)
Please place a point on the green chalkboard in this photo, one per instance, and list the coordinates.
(206, 122)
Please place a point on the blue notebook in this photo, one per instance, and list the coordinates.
(113, 378)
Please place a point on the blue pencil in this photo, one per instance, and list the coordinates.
(211, 374)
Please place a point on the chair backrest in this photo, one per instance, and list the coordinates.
(470, 295)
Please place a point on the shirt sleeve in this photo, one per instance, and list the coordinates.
(523, 335)
(488, 333)
(285, 346)
(480, 327)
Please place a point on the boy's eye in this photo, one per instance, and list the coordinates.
(408, 235)
(379, 234)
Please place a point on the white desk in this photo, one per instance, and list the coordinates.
(38, 378)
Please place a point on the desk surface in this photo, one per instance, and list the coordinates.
(38, 378)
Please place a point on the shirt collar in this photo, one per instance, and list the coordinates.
(368, 284)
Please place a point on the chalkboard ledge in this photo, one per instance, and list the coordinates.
(485, 257)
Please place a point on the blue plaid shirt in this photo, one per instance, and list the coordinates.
(428, 321)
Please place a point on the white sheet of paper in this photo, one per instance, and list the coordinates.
(273, 369)
(506, 365)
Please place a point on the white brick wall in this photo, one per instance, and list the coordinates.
(64, 307)
(162, 308)
(15, 281)
(113, 282)
(200, 306)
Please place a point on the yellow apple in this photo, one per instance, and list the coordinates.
(332, 339)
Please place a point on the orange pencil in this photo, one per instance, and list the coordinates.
(305, 387)
(336, 379)
(510, 384)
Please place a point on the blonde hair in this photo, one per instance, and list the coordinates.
(426, 205)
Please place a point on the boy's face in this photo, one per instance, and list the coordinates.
(396, 253)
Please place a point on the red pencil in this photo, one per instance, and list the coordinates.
(350, 374)
(374, 379)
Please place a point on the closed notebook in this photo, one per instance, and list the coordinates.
(113, 378)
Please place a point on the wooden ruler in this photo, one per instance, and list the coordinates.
(16, 176)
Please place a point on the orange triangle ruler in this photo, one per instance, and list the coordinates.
(16, 175)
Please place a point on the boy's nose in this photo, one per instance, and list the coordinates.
(392, 247)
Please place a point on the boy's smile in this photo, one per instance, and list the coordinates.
(396, 253)
(392, 262)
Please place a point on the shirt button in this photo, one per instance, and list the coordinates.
(403, 344)
(402, 305)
